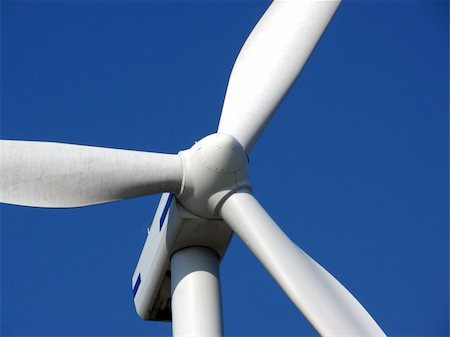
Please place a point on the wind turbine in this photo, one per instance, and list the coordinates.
(210, 180)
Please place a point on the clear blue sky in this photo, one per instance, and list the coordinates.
(354, 167)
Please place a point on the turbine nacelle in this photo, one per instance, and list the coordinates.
(213, 168)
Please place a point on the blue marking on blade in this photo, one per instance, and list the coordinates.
(166, 209)
(136, 285)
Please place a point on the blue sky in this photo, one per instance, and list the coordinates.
(354, 166)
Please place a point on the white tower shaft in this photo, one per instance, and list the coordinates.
(196, 303)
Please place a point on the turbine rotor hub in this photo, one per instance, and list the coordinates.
(213, 168)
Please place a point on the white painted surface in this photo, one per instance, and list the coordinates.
(213, 167)
(44, 174)
(154, 260)
(269, 63)
(196, 303)
(170, 232)
(329, 307)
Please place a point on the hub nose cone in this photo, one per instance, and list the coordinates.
(221, 153)
(212, 168)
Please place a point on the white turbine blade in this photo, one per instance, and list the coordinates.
(330, 308)
(269, 63)
(43, 174)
